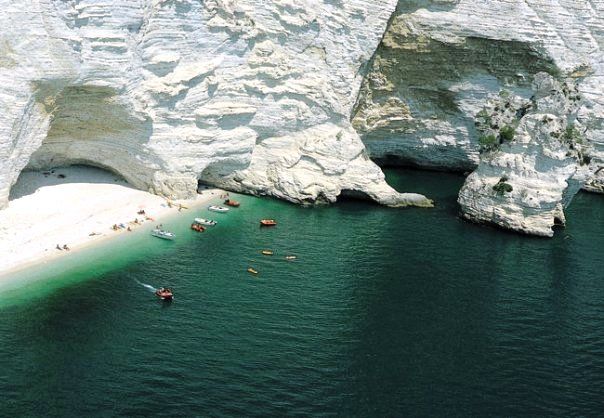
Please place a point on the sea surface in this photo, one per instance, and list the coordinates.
(384, 313)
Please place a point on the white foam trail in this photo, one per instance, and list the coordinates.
(148, 286)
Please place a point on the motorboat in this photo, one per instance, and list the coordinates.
(164, 293)
(202, 221)
(290, 257)
(267, 252)
(251, 270)
(231, 202)
(216, 208)
(160, 233)
(268, 222)
(197, 227)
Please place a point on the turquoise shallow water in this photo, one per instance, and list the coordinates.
(386, 312)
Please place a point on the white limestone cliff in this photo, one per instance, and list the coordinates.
(263, 97)
(442, 61)
(534, 160)
(253, 96)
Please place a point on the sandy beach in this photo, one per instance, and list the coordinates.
(75, 207)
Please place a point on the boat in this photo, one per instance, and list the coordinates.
(197, 227)
(164, 293)
(231, 202)
(160, 233)
(290, 257)
(267, 252)
(268, 222)
(202, 221)
(251, 270)
(216, 208)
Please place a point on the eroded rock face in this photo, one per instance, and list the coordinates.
(534, 159)
(441, 62)
(252, 96)
(301, 168)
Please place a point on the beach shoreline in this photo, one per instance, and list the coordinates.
(77, 207)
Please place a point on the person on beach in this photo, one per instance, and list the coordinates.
(65, 247)
(58, 247)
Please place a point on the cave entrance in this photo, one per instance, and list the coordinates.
(220, 173)
(30, 181)
(98, 127)
(352, 195)
(211, 175)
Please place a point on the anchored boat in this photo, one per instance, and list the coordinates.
(216, 208)
(268, 222)
(202, 221)
(160, 233)
(231, 202)
(196, 227)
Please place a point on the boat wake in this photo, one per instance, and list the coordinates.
(147, 286)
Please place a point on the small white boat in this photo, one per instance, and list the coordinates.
(202, 221)
(160, 233)
(215, 208)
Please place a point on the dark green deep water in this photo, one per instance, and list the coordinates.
(386, 312)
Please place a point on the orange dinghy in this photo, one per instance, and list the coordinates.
(268, 222)
(231, 202)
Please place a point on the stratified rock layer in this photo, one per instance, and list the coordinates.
(254, 96)
(441, 61)
(534, 160)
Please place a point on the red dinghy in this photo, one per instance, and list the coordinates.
(197, 227)
(164, 293)
(233, 203)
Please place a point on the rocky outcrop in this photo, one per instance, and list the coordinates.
(253, 96)
(534, 159)
(302, 168)
(442, 61)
